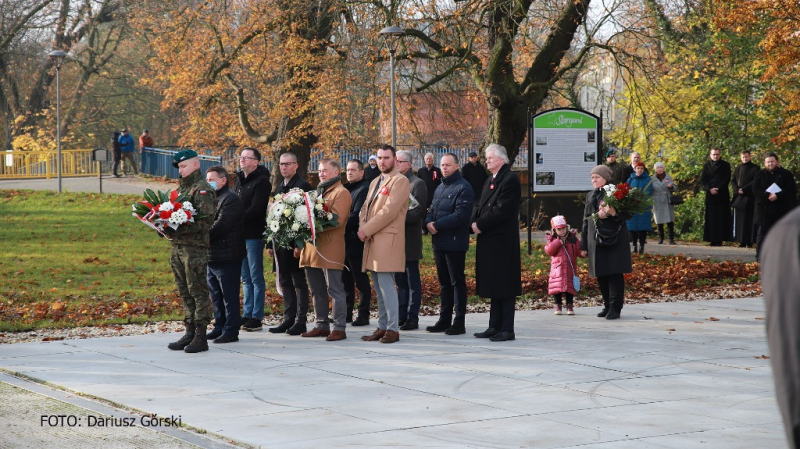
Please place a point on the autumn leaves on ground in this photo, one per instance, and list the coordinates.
(82, 259)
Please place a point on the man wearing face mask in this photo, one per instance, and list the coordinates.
(225, 254)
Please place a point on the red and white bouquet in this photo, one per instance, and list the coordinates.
(296, 217)
(624, 198)
(165, 210)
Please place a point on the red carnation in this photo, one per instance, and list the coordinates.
(165, 214)
(619, 194)
(177, 206)
(188, 215)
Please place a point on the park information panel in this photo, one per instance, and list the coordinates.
(565, 145)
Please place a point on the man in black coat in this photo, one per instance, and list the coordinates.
(498, 267)
(780, 263)
(409, 282)
(475, 174)
(291, 278)
(448, 222)
(353, 277)
(225, 254)
(715, 177)
(253, 188)
(432, 177)
(743, 201)
(772, 203)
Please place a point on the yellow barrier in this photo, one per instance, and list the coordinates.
(43, 164)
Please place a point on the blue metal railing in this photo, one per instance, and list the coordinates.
(158, 162)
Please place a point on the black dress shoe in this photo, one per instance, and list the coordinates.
(214, 334)
(440, 326)
(603, 313)
(490, 332)
(409, 326)
(613, 314)
(456, 330)
(503, 336)
(283, 327)
(360, 321)
(225, 338)
(297, 329)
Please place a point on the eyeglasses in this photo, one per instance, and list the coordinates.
(400, 160)
(287, 164)
(245, 158)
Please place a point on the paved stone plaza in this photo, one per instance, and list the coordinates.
(668, 375)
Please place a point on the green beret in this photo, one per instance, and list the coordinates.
(610, 152)
(181, 156)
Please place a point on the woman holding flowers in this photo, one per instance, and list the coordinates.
(604, 239)
(640, 224)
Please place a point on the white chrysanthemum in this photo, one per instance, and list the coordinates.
(610, 188)
(165, 206)
(178, 217)
(274, 226)
(277, 210)
(301, 214)
(293, 198)
(188, 206)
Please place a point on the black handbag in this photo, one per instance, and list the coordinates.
(606, 237)
(675, 199)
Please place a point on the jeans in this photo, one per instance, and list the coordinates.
(223, 287)
(453, 284)
(409, 292)
(253, 285)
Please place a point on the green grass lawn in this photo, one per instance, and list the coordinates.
(75, 259)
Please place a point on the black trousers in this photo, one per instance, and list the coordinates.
(355, 278)
(453, 284)
(559, 300)
(501, 314)
(292, 280)
(639, 237)
(612, 288)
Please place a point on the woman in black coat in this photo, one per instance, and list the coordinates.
(607, 263)
(495, 221)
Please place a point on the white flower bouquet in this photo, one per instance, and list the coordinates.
(297, 217)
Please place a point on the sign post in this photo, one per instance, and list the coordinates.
(100, 155)
(564, 145)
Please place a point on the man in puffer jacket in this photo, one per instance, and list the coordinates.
(448, 224)
(225, 254)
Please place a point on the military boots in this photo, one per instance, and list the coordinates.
(199, 342)
(185, 340)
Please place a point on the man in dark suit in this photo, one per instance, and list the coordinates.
(353, 277)
(291, 277)
(409, 283)
(498, 267)
(475, 174)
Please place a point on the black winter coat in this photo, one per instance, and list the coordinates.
(432, 178)
(254, 192)
(415, 217)
(226, 234)
(450, 213)
(353, 246)
(476, 176)
(498, 268)
(769, 212)
(605, 260)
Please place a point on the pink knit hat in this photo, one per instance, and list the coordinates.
(558, 222)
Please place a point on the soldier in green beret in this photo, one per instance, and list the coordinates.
(189, 259)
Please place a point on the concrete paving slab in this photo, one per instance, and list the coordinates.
(668, 381)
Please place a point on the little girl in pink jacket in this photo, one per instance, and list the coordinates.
(564, 247)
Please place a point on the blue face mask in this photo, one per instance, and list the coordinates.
(213, 184)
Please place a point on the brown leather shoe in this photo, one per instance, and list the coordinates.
(316, 332)
(390, 337)
(375, 335)
(336, 336)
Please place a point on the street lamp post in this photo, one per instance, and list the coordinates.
(392, 35)
(58, 59)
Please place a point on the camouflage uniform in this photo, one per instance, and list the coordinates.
(190, 243)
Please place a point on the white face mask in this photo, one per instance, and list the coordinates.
(213, 184)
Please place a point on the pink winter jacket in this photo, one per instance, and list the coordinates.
(560, 270)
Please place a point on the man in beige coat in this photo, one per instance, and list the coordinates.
(323, 263)
(382, 230)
